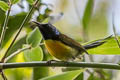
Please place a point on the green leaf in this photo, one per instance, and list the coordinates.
(34, 38)
(14, 1)
(88, 13)
(4, 6)
(40, 72)
(110, 47)
(15, 20)
(80, 76)
(16, 74)
(2, 13)
(30, 1)
(34, 54)
(99, 25)
(18, 45)
(70, 75)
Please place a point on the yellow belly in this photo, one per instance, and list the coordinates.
(58, 49)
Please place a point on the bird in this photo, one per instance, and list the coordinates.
(60, 45)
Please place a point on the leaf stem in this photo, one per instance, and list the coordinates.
(60, 64)
(19, 30)
(114, 31)
(17, 52)
(5, 25)
(3, 75)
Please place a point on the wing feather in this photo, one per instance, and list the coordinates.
(72, 43)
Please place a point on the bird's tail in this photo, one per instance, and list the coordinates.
(96, 43)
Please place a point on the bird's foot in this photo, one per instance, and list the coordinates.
(50, 61)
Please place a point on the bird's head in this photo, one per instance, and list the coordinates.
(47, 30)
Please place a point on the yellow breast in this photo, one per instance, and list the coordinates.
(58, 49)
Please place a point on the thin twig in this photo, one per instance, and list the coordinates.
(5, 25)
(21, 26)
(60, 64)
(3, 75)
(114, 31)
(3, 34)
(17, 52)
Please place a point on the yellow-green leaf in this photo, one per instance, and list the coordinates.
(109, 47)
(87, 13)
(34, 38)
(4, 6)
(34, 54)
(14, 1)
(30, 1)
(70, 75)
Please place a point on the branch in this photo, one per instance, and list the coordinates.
(5, 25)
(60, 64)
(17, 52)
(21, 26)
(3, 75)
(114, 31)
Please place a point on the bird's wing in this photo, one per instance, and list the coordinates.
(72, 43)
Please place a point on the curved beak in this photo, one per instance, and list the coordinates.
(40, 25)
(37, 23)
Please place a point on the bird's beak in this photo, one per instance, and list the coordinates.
(40, 25)
(37, 23)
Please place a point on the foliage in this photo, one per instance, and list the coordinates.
(4, 6)
(30, 36)
(71, 75)
(14, 1)
(109, 47)
(88, 13)
(35, 34)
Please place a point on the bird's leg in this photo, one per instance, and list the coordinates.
(50, 61)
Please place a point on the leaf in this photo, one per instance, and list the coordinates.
(2, 13)
(18, 45)
(15, 20)
(4, 6)
(80, 76)
(40, 72)
(70, 75)
(110, 47)
(16, 74)
(87, 13)
(34, 38)
(34, 54)
(14, 1)
(99, 25)
(30, 1)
